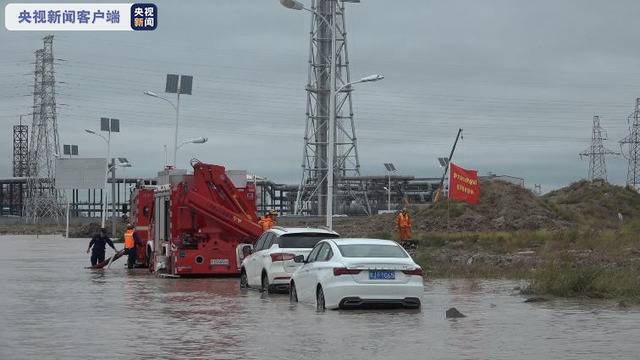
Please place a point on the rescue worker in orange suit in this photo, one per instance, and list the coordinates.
(131, 238)
(97, 245)
(268, 220)
(403, 224)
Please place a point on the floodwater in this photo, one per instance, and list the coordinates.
(53, 308)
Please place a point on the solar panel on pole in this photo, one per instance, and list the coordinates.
(66, 149)
(115, 125)
(172, 83)
(104, 124)
(74, 149)
(186, 82)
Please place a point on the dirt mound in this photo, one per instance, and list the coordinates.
(503, 206)
(595, 203)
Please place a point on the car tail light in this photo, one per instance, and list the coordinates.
(282, 257)
(345, 271)
(416, 271)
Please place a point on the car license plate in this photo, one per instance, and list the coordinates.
(381, 275)
(219, 261)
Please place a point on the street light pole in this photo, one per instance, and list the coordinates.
(104, 192)
(175, 135)
(112, 169)
(113, 197)
(176, 107)
(332, 121)
(104, 207)
(389, 194)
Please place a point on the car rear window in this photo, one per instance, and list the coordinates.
(371, 250)
(302, 241)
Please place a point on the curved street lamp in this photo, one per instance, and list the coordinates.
(198, 140)
(175, 134)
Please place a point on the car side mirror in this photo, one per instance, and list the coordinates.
(247, 250)
(299, 259)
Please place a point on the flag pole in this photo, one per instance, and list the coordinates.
(448, 208)
(446, 169)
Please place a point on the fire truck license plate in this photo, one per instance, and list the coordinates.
(219, 261)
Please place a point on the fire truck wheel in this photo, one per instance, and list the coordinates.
(265, 283)
(244, 282)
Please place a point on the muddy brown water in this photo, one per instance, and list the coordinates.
(53, 308)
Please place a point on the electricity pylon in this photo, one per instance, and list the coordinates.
(42, 200)
(633, 152)
(312, 191)
(596, 153)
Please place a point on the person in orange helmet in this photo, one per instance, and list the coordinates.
(403, 225)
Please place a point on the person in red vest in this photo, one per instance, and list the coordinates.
(403, 224)
(131, 238)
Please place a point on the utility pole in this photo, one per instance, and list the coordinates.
(596, 152)
(633, 152)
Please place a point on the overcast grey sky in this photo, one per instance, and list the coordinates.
(523, 78)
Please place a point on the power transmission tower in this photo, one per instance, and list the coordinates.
(537, 189)
(20, 150)
(42, 200)
(633, 151)
(596, 152)
(312, 191)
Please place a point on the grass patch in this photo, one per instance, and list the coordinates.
(565, 279)
(578, 262)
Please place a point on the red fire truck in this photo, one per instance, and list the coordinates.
(196, 225)
(141, 217)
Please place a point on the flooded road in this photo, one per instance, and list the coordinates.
(53, 308)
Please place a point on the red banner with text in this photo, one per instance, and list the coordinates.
(463, 185)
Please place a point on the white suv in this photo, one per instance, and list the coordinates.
(270, 265)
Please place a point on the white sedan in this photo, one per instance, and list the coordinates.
(270, 265)
(344, 273)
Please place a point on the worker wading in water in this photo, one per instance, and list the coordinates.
(97, 246)
(403, 224)
(131, 238)
(268, 221)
